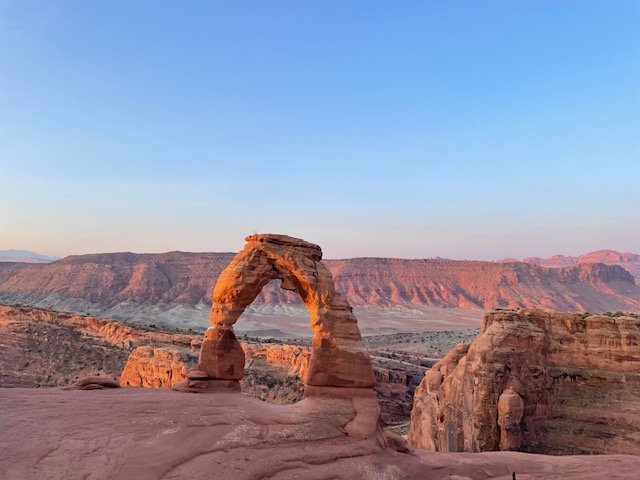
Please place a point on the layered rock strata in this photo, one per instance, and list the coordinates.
(175, 288)
(535, 381)
(338, 364)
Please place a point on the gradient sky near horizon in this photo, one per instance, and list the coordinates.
(458, 129)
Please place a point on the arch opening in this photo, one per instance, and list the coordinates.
(276, 313)
(338, 358)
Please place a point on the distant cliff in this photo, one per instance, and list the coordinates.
(25, 256)
(123, 285)
(628, 261)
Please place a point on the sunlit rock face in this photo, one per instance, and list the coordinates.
(338, 367)
(155, 367)
(537, 381)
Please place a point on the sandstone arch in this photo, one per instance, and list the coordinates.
(339, 366)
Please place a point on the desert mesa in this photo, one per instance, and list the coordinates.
(174, 289)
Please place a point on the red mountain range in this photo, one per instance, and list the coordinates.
(127, 285)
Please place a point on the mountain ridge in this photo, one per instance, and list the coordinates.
(170, 285)
(628, 260)
(25, 256)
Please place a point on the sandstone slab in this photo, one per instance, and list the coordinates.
(152, 434)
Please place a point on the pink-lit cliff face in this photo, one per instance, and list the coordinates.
(124, 285)
(629, 261)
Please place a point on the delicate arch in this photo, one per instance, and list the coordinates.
(338, 358)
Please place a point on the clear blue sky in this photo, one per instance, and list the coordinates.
(410, 129)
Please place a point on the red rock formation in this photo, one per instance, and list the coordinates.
(338, 365)
(510, 413)
(627, 260)
(109, 279)
(221, 355)
(337, 357)
(538, 381)
(155, 367)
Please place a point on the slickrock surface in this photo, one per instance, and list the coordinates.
(149, 434)
(175, 289)
(537, 381)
